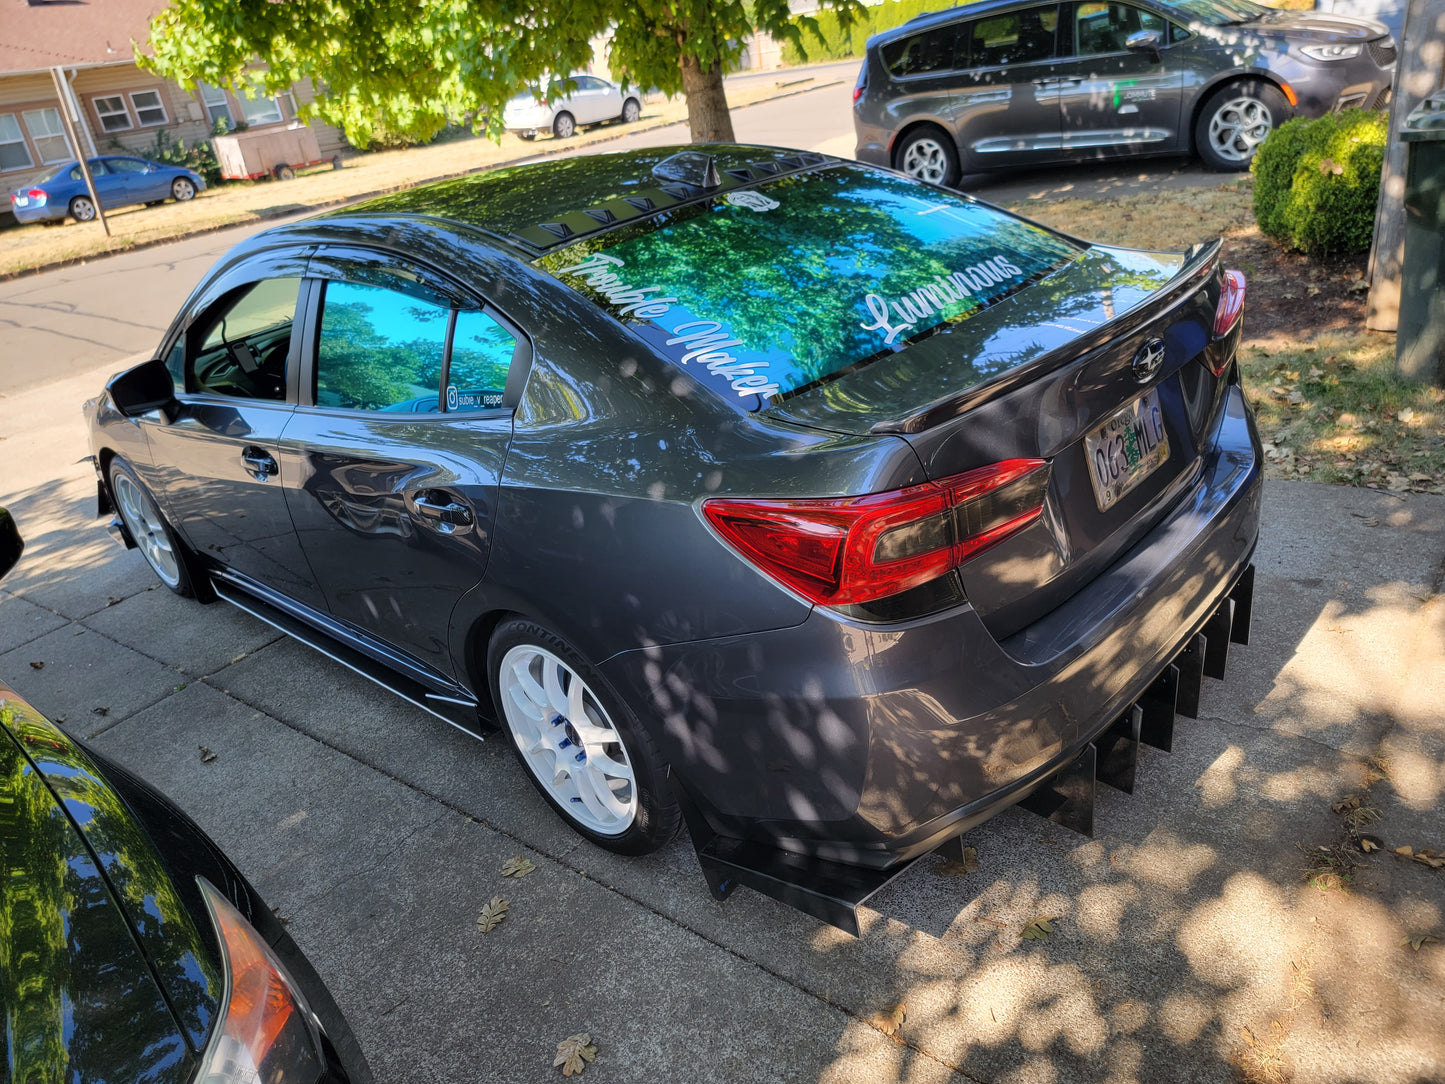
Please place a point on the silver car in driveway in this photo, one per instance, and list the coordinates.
(590, 101)
(1000, 84)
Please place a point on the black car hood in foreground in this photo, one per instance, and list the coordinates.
(86, 901)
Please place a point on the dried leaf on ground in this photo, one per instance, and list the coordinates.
(207, 755)
(1418, 939)
(888, 1021)
(957, 867)
(1347, 803)
(517, 866)
(37, 666)
(574, 1052)
(490, 916)
(1367, 845)
(1039, 929)
(1407, 851)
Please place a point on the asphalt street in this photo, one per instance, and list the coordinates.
(1187, 944)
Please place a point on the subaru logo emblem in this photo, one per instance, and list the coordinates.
(1149, 360)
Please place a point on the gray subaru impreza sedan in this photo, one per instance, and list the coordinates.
(820, 510)
(1001, 84)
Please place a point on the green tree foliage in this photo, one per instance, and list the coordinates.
(834, 38)
(404, 66)
(1317, 181)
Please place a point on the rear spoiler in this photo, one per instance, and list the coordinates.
(1199, 267)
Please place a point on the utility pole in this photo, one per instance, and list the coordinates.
(72, 120)
(1419, 71)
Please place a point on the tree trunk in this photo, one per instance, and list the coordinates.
(708, 118)
(1421, 64)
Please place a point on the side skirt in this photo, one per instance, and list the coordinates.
(456, 706)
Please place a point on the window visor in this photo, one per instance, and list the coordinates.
(765, 292)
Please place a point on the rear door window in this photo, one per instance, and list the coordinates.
(403, 348)
(921, 54)
(1012, 37)
(380, 349)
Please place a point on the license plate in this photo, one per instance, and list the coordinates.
(22, 201)
(1126, 449)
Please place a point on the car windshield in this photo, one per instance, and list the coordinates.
(1220, 12)
(768, 291)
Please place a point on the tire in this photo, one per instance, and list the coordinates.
(534, 675)
(528, 136)
(284, 173)
(336, 161)
(82, 209)
(564, 126)
(928, 154)
(182, 190)
(157, 542)
(1235, 120)
(631, 111)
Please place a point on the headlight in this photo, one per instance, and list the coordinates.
(1331, 52)
(266, 1033)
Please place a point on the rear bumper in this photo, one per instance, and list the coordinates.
(871, 744)
(49, 212)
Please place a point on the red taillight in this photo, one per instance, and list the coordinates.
(839, 551)
(858, 91)
(1227, 315)
(1231, 303)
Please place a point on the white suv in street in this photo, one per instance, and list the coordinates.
(591, 101)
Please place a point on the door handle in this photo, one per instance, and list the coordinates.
(444, 511)
(259, 463)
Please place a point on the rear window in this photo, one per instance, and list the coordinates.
(768, 291)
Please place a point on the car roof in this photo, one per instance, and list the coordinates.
(546, 205)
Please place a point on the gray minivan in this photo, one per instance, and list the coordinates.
(1000, 83)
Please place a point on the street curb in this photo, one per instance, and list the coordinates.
(622, 133)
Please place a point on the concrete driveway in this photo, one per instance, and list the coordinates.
(1187, 944)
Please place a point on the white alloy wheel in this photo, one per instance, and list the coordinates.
(567, 740)
(182, 189)
(1238, 127)
(563, 126)
(926, 159)
(143, 521)
(81, 209)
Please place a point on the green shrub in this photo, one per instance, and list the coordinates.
(840, 44)
(1317, 181)
(199, 156)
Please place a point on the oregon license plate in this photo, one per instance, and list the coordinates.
(1126, 449)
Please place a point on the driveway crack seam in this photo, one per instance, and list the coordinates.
(561, 861)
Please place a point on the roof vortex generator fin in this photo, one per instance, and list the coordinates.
(689, 167)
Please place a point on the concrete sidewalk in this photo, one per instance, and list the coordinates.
(1187, 945)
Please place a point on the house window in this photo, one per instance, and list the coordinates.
(112, 113)
(148, 107)
(14, 154)
(260, 110)
(48, 134)
(217, 106)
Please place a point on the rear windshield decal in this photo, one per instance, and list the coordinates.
(951, 296)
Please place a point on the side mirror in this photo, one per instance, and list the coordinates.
(145, 388)
(1145, 41)
(11, 544)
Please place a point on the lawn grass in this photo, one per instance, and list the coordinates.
(1323, 388)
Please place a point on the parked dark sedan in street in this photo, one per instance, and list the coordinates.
(1001, 84)
(827, 510)
(133, 949)
(119, 182)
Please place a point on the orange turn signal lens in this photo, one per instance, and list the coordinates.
(266, 1032)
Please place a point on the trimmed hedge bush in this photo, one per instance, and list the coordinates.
(840, 44)
(1317, 181)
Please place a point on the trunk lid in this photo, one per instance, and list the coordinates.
(1041, 376)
